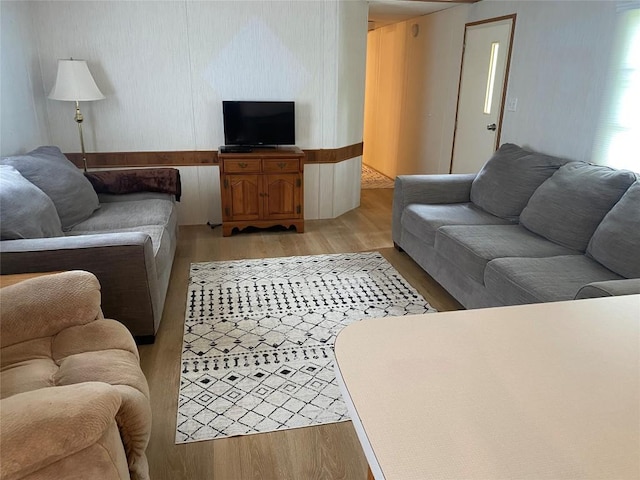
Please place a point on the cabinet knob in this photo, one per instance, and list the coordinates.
(243, 165)
(281, 165)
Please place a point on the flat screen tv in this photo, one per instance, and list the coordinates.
(258, 123)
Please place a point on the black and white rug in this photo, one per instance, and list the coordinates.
(258, 341)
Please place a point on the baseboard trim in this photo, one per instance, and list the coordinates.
(198, 158)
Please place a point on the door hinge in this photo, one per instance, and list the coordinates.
(226, 183)
(298, 183)
(298, 209)
(227, 212)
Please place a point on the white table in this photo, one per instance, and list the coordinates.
(546, 391)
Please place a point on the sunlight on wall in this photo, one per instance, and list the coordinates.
(384, 94)
(618, 140)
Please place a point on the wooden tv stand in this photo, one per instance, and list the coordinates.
(262, 188)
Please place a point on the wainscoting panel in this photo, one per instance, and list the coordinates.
(331, 179)
(329, 191)
(346, 186)
(326, 190)
(189, 208)
(200, 201)
(311, 191)
(209, 188)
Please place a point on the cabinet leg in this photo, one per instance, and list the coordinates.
(370, 474)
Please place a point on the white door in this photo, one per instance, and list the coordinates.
(482, 82)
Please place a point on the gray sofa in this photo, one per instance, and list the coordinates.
(527, 228)
(51, 219)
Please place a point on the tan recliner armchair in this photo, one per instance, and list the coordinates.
(74, 402)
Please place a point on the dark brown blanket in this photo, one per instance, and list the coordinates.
(163, 180)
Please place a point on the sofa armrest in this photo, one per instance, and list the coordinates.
(45, 306)
(123, 263)
(42, 426)
(610, 288)
(451, 188)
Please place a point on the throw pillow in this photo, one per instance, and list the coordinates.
(616, 242)
(25, 211)
(506, 182)
(569, 206)
(49, 170)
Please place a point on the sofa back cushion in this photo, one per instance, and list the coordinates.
(25, 210)
(616, 242)
(507, 181)
(49, 170)
(568, 207)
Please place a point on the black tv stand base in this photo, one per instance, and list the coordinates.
(235, 149)
(245, 148)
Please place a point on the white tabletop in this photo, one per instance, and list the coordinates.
(529, 392)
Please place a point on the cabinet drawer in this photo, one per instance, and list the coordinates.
(279, 165)
(248, 165)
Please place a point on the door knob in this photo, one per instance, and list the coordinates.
(492, 127)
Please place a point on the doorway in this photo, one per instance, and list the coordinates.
(481, 95)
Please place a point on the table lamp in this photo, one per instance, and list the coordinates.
(74, 83)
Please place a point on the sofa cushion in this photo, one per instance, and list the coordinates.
(568, 207)
(25, 210)
(71, 193)
(159, 237)
(471, 247)
(519, 280)
(506, 182)
(116, 215)
(423, 220)
(616, 241)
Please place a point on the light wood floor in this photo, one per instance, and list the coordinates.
(328, 452)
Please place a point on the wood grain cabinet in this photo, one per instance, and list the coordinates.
(262, 189)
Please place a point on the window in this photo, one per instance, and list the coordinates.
(491, 80)
(618, 141)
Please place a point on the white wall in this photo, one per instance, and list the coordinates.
(166, 66)
(333, 189)
(558, 72)
(22, 117)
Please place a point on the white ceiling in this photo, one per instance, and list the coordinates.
(385, 12)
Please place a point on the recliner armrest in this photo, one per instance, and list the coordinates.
(44, 306)
(42, 426)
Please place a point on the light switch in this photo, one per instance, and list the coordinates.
(512, 104)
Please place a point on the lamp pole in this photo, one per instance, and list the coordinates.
(79, 118)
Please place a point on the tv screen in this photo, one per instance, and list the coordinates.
(258, 123)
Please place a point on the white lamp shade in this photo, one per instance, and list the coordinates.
(74, 82)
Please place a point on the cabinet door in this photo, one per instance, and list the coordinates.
(283, 196)
(242, 195)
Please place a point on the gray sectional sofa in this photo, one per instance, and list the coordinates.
(51, 219)
(527, 228)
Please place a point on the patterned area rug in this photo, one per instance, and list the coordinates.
(373, 179)
(258, 340)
